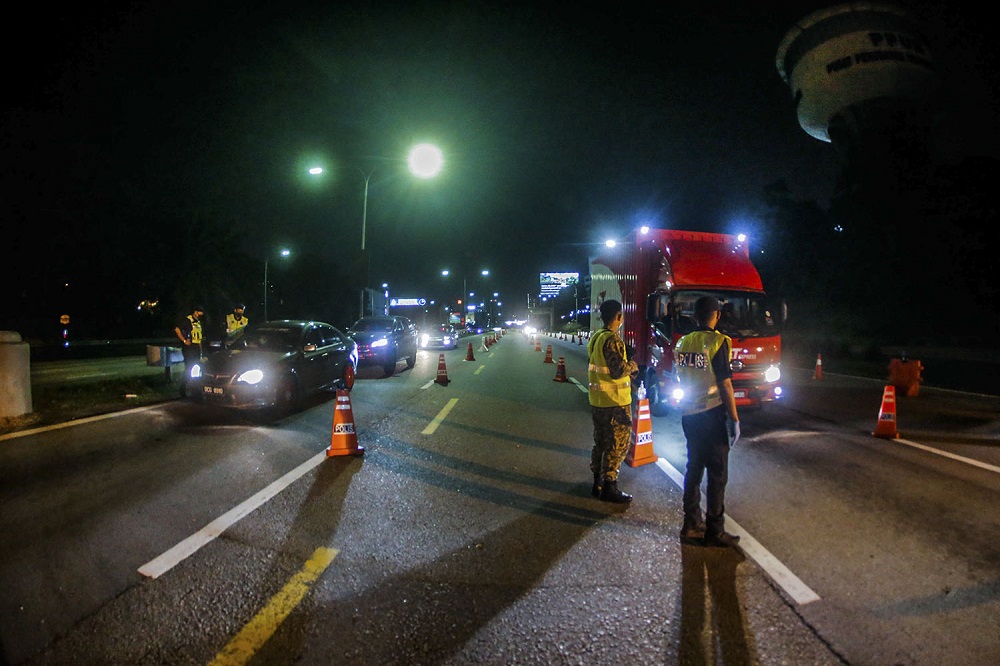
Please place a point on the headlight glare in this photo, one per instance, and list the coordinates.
(772, 374)
(380, 343)
(251, 377)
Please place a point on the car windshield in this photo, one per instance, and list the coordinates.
(271, 339)
(372, 326)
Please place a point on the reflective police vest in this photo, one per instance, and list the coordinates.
(195, 330)
(693, 355)
(605, 391)
(233, 324)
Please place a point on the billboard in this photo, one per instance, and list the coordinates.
(551, 284)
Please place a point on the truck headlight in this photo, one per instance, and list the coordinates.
(772, 374)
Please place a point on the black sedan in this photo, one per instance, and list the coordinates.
(442, 336)
(277, 364)
(383, 340)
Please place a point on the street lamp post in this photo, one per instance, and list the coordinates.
(424, 161)
(284, 253)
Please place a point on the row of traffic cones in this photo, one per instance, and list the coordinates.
(885, 427)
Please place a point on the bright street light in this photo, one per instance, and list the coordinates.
(425, 161)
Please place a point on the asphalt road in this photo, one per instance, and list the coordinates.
(466, 533)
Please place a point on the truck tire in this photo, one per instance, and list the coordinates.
(659, 405)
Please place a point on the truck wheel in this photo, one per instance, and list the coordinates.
(658, 404)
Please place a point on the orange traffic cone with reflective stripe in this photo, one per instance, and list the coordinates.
(561, 371)
(468, 354)
(442, 376)
(818, 374)
(538, 345)
(548, 355)
(886, 426)
(343, 439)
(641, 451)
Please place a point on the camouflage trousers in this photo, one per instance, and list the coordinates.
(612, 439)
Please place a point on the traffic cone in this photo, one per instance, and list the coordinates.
(548, 355)
(580, 344)
(641, 451)
(442, 376)
(486, 345)
(468, 354)
(561, 371)
(818, 374)
(886, 426)
(538, 345)
(343, 439)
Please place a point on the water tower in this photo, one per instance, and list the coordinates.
(862, 75)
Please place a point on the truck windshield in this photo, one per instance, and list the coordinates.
(744, 315)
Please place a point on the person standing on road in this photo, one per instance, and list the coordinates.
(710, 422)
(235, 323)
(611, 403)
(190, 334)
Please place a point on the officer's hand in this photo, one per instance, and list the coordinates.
(733, 431)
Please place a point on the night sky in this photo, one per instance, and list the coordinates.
(560, 127)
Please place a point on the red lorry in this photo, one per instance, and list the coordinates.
(658, 274)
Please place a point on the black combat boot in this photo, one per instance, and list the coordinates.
(610, 493)
(596, 489)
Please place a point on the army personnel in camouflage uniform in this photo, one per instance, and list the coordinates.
(611, 403)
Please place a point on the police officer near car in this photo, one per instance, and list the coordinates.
(189, 332)
(235, 323)
(609, 375)
(710, 422)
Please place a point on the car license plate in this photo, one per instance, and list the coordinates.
(739, 394)
(214, 390)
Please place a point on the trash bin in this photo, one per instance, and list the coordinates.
(905, 376)
(15, 375)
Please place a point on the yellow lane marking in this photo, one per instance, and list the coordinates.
(433, 425)
(252, 637)
(479, 369)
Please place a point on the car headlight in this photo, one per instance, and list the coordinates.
(195, 371)
(380, 343)
(447, 340)
(772, 374)
(251, 377)
(424, 340)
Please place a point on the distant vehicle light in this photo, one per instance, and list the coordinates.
(251, 377)
(380, 343)
(531, 330)
(772, 374)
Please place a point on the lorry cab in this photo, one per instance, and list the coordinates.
(658, 274)
(748, 319)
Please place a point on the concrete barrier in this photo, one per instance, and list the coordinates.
(15, 375)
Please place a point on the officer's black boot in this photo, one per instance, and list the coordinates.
(596, 489)
(610, 493)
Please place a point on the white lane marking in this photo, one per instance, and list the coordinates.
(433, 425)
(579, 385)
(799, 592)
(171, 558)
(969, 461)
(429, 384)
(69, 424)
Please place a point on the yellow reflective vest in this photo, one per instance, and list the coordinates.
(195, 330)
(606, 391)
(233, 324)
(693, 364)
